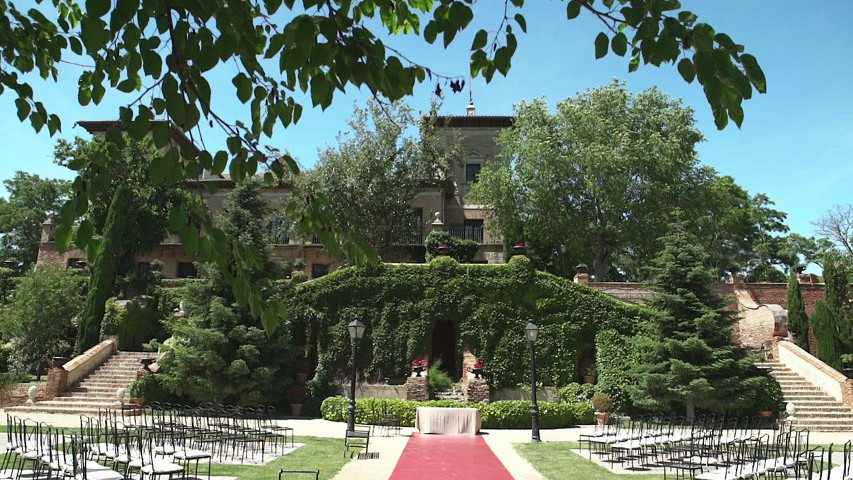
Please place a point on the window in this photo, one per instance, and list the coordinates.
(143, 268)
(319, 269)
(75, 263)
(472, 171)
(187, 270)
(473, 229)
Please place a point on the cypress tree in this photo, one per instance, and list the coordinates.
(689, 360)
(824, 324)
(835, 279)
(798, 322)
(103, 277)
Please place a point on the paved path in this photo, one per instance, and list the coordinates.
(448, 457)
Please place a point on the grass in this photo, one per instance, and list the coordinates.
(554, 461)
(324, 454)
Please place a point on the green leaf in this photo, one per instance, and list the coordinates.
(23, 108)
(573, 9)
(619, 44)
(519, 19)
(685, 68)
(480, 40)
(754, 72)
(62, 237)
(162, 134)
(431, 32)
(601, 44)
(84, 234)
(127, 85)
(220, 161)
(98, 8)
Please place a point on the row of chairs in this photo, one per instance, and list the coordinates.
(228, 432)
(714, 448)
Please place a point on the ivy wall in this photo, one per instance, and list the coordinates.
(488, 304)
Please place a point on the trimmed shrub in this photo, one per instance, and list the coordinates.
(502, 414)
(149, 388)
(576, 392)
(601, 402)
(439, 380)
(461, 250)
(824, 324)
(135, 323)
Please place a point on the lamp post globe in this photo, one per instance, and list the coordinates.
(531, 332)
(356, 330)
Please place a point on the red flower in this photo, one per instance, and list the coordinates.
(479, 365)
(442, 245)
(518, 244)
(419, 363)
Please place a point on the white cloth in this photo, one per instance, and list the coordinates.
(448, 421)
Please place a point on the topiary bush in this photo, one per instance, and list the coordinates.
(487, 304)
(459, 249)
(438, 379)
(601, 402)
(135, 322)
(501, 414)
(576, 392)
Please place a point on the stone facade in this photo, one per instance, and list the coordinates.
(417, 388)
(477, 391)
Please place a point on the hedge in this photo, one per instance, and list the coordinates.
(487, 304)
(501, 414)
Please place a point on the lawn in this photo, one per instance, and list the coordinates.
(325, 454)
(555, 461)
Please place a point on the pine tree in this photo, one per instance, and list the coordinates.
(221, 352)
(824, 324)
(103, 273)
(689, 361)
(798, 322)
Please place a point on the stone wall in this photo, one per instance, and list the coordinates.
(417, 388)
(15, 394)
(81, 365)
(816, 372)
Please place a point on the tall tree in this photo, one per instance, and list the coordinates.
(690, 361)
(371, 177)
(837, 226)
(31, 200)
(798, 322)
(598, 175)
(825, 323)
(836, 282)
(317, 47)
(38, 319)
(220, 351)
(103, 279)
(127, 162)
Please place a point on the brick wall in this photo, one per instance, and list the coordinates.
(770, 293)
(15, 394)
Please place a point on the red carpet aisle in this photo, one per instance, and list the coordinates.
(448, 457)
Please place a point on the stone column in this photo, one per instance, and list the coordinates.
(417, 389)
(57, 381)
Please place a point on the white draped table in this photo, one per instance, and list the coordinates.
(448, 421)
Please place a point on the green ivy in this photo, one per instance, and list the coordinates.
(488, 304)
(459, 249)
(501, 414)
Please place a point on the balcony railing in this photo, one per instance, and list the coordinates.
(467, 233)
(413, 237)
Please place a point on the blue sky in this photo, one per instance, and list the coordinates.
(795, 145)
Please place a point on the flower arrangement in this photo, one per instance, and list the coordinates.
(478, 368)
(419, 363)
(479, 365)
(518, 244)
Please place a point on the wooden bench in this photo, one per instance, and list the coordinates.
(358, 437)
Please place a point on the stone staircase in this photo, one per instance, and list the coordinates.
(455, 393)
(816, 410)
(96, 390)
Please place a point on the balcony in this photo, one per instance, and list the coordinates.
(467, 232)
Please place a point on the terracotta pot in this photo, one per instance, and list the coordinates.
(296, 409)
(765, 414)
(417, 371)
(301, 377)
(590, 379)
(602, 418)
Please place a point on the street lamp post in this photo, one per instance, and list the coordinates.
(356, 330)
(531, 331)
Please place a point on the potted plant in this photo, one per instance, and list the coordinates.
(296, 395)
(589, 372)
(603, 405)
(418, 366)
(478, 369)
(518, 248)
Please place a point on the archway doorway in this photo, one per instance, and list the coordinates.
(444, 346)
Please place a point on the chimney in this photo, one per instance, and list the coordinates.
(808, 278)
(470, 109)
(582, 275)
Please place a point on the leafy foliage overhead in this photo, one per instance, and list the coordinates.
(277, 51)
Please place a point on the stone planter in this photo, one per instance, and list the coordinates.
(59, 362)
(418, 370)
(602, 418)
(590, 379)
(301, 377)
(296, 409)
